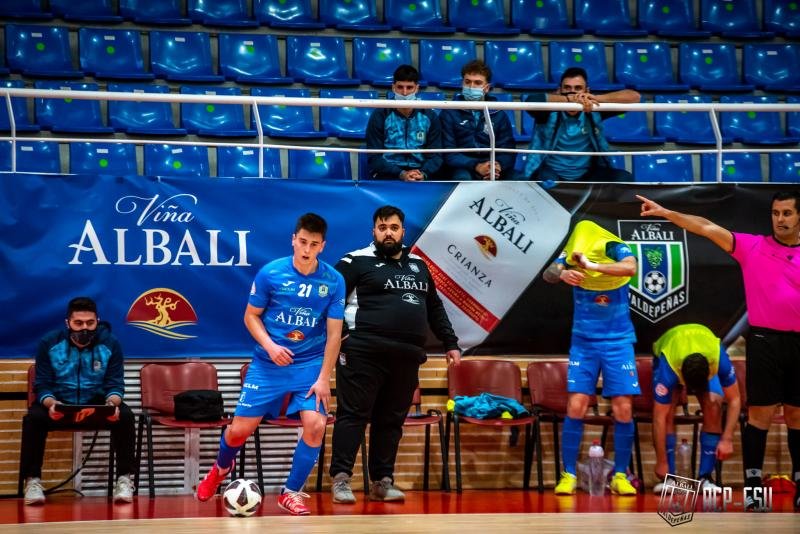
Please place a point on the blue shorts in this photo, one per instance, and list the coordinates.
(616, 360)
(662, 376)
(266, 386)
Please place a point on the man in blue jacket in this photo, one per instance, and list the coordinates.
(467, 128)
(574, 131)
(80, 364)
(404, 129)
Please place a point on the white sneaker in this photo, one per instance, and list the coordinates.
(123, 490)
(658, 488)
(34, 492)
(708, 484)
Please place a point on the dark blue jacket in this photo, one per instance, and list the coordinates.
(389, 129)
(461, 130)
(79, 376)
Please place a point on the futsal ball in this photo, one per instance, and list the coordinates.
(242, 497)
(654, 282)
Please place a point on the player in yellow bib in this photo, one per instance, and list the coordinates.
(690, 355)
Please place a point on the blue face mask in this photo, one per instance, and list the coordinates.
(411, 96)
(472, 93)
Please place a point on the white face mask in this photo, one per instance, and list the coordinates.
(410, 96)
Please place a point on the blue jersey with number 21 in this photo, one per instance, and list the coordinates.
(296, 307)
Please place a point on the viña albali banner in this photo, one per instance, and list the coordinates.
(170, 261)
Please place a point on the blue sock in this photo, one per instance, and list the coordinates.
(708, 453)
(672, 439)
(305, 456)
(623, 443)
(571, 438)
(226, 453)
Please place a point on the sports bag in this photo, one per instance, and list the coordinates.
(199, 405)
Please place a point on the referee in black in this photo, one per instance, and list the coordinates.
(391, 302)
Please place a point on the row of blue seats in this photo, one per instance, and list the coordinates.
(228, 120)
(237, 161)
(737, 19)
(44, 51)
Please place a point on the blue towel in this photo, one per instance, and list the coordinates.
(488, 406)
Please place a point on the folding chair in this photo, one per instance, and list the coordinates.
(160, 382)
(473, 377)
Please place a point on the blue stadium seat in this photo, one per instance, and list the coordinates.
(182, 56)
(710, 67)
(793, 117)
(481, 17)
(435, 96)
(39, 51)
(617, 162)
(24, 9)
(630, 127)
(19, 108)
(317, 60)
(663, 168)
(346, 122)
(772, 66)
(213, 119)
(112, 54)
(289, 14)
(782, 17)
(732, 19)
(543, 17)
(176, 160)
(141, 118)
(363, 165)
(609, 18)
(118, 159)
(241, 161)
(736, 167)
(685, 127)
(754, 127)
(440, 60)
(412, 16)
(519, 136)
(85, 10)
(160, 12)
(250, 58)
(69, 114)
(32, 156)
(784, 167)
(590, 55)
(670, 18)
(375, 59)
(516, 65)
(319, 164)
(645, 66)
(351, 15)
(286, 121)
(227, 13)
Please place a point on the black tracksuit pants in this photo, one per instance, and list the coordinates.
(37, 423)
(375, 384)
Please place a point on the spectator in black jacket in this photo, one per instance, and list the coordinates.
(81, 364)
(391, 302)
(467, 128)
(404, 129)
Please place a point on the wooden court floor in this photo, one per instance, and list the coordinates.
(434, 511)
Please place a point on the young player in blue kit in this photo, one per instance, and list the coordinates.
(598, 265)
(692, 356)
(294, 313)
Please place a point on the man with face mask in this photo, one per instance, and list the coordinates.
(467, 128)
(574, 131)
(80, 364)
(391, 303)
(404, 129)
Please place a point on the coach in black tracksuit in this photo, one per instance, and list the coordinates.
(391, 302)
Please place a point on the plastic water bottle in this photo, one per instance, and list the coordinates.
(597, 476)
(683, 459)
